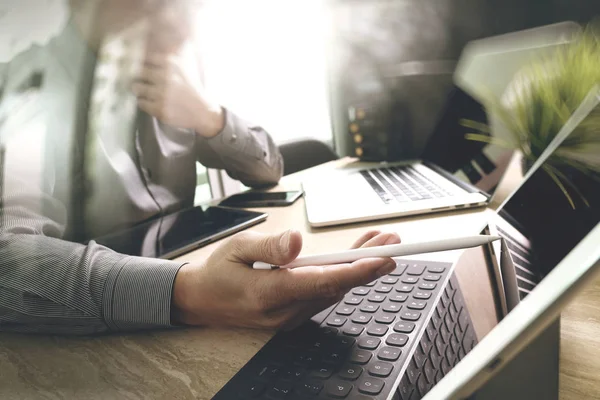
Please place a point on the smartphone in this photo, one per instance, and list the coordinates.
(262, 199)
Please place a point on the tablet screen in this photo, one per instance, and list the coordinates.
(177, 233)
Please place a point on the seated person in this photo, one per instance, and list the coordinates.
(61, 186)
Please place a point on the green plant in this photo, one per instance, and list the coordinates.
(541, 99)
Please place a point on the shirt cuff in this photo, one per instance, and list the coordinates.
(138, 292)
(234, 136)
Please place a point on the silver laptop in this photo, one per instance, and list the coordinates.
(453, 172)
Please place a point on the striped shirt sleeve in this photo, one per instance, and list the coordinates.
(52, 286)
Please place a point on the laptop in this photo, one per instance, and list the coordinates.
(433, 329)
(453, 172)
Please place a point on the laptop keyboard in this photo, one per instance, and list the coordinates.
(521, 256)
(402, 184)
(358, 348)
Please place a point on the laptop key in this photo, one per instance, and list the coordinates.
(360, 357)
(427, 286)
(436, 270)
(389, 354)
(383, 289)
(321, 372)
(345, 310)
(392, 307)
(376, 298)
(353, 301)
(369, 308)
(361, 291)
(336, 321)
(385, 319)
(422, 295)
(416, 305)
(398, 298)
(416, 270)
(372, 386)
(353, 330)
(369, 343)
(400, 268)
(396, 339)
(362, 318)
(253, 390)
(404, 327)
(310, 388)
(377, 330)
(338, 389)
(381, 369)
(410, 316)
(389, 280)
(404, 288)
(281, 390)
(350, 372)
(410, 279)
(431, 277)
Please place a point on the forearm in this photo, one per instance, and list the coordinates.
(247, 153)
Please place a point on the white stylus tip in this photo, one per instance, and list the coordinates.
(263, 265)
(494, 238)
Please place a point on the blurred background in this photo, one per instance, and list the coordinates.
(367, 77)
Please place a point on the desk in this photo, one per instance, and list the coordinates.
(196, 363)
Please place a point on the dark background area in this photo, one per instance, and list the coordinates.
(377, 43)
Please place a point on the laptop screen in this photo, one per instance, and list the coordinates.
(476, 163)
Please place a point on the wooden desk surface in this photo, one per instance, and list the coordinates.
(196, 363)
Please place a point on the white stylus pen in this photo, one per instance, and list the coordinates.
(394, 250)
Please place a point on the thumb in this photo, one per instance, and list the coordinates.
(279, 249)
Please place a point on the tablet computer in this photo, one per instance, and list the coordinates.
(181, 232)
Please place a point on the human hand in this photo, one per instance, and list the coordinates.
(166, 91)
(225, 290)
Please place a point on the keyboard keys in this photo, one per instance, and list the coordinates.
(362, 318)
(361, 291)
(360, 357)
(404, 327)
(410, 316)
(404, 288)
(389, 353)
(293, 374)
(422, 295)
(389, 280)
(427, 286)
(381, 369)
(353, 330)
(398, 298)
(431, 278)
(416, 305)
(412, 372)
(338, 389)
(419, 357)
(410, 279)
(322, 372)
(396, 339)
(369, 343)
(422, 385)
(372, 386)
(269, 373)
(350, 372)
(353, 301)
(343, 342)
(400, 268)
(385, 319)
(435, 270)
(333, 357)
(310, 388)
(383, 288)
(392, 307)
(376, 298)
(252, 390)
(377, 330)
(369, 308)
(345, 310)
(281, 390)
(336, 321)
(415, 270)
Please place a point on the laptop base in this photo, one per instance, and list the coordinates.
(533, 374)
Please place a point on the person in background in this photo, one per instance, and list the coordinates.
(52, 283)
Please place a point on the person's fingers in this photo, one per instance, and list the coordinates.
(308, 283)
(156, 61)
(280, 249)
(383, 239)
(148, 106)
(145, 91)
(152, 74)
(364, 238)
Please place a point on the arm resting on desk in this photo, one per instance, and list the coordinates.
(48, 285)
